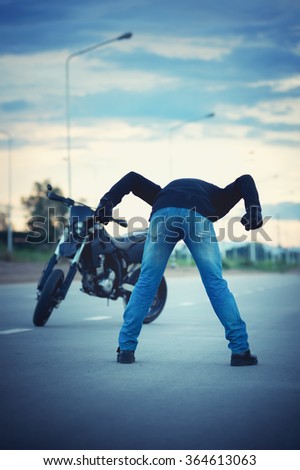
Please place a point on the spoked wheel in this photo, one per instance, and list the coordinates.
(48, 298)
(157, 304)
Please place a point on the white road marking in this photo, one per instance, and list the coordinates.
(97, 318)
(186, 304)
(15, 330)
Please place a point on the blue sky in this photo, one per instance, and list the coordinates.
(139, 104)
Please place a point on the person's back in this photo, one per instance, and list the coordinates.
(190, 193)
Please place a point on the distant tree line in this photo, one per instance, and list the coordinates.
(42, 213)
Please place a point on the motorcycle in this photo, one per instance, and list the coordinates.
(109, 267)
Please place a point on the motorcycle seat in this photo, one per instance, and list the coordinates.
(124, 242)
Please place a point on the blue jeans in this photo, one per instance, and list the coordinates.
(167, 227)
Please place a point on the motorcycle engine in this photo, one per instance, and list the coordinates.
(106, 282)
(105, 278)
(100, 284)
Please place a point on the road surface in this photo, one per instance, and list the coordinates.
(61, 387)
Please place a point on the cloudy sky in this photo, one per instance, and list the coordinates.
(143, 104)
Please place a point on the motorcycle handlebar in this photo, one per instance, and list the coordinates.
(55, 197)
(70, 202)
(121, 222)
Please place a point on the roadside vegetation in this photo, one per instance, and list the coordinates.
(240, 264)
(41, 254)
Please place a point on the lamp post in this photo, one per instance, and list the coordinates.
(9, 227)
(67, 92)
(178, 126)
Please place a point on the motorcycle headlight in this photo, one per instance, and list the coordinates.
(79, 221)
(79, 229)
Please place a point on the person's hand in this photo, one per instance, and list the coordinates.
(103, 213)
(252, 220)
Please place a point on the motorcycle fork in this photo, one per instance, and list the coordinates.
(48, 268)
(72, 271)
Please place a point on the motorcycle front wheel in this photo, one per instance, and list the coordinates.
(157, 304)
(48, 298)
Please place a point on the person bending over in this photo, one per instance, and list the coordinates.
(185, 210)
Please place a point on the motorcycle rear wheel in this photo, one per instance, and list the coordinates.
(48, 298)
(157, 304)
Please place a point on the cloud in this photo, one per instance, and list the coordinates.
(188, 48)
(282, 111)
(26, 76)
(291, 137)
(44, 73)
(83, 136)
(281, 85)
(36, 83)
(111, 77)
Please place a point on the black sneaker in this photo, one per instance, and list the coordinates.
(125, 357)
(244, 359)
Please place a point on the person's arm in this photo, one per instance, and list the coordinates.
(135, 183)
(244, 187)
(132, 182)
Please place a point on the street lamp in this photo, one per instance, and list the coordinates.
(67, 92)
(178, 126)
(9, 227)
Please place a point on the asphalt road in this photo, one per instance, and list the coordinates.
(61, 387)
